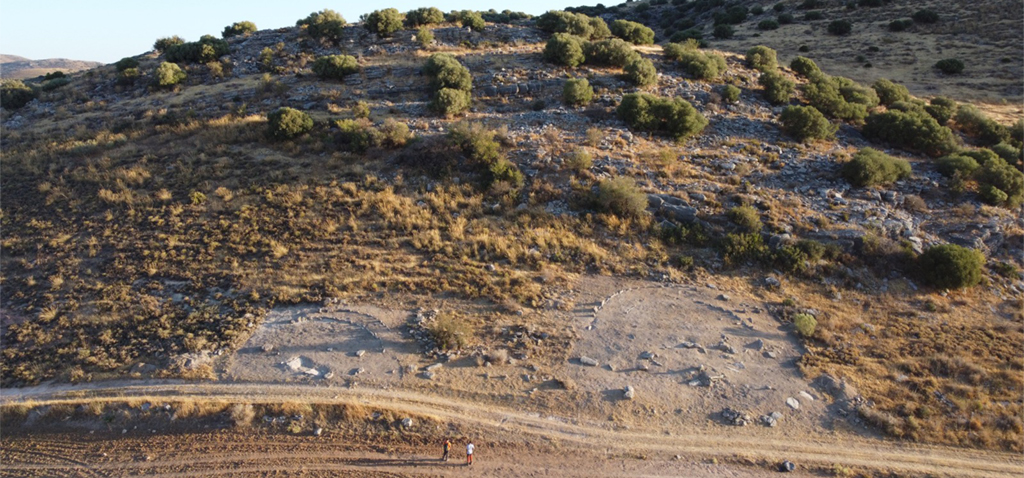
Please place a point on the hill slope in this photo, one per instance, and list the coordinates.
(19, 68)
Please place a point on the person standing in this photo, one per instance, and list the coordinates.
(469, 453)
(447, 449)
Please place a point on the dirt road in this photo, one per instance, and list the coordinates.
(562, 445)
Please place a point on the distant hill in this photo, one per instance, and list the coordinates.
(19, 67)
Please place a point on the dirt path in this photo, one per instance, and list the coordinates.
(575, 438)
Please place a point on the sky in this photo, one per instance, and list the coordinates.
(108, 30)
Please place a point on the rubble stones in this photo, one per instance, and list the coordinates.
(735, 417)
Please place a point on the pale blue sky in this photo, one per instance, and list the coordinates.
(108, 30)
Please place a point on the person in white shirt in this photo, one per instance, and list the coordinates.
(469, 453)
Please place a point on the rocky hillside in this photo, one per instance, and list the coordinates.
(19, 68)
(153, 209)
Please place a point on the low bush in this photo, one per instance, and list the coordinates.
(746, 217)
(756, 10)
(471, 19)
(950, 66)
(326, 24)
(451, 83)
(239, 28)
(809, 4)
(768, 25)
(972, 122)
(723, 32)
(997, 174)
(942, 109)
(814, 15)
(671, 116)
(640, 72)
(633, 32)
(449, 332)
(925, 16)
(335, 67)
(126, 63)
(579, 160)
(1008, 152)
(957, 164)
(15, 94)
(805, 67)
(450, 102)
(564, 49)
(779, 7)
(287, 123)
(454, 76)
(805, 324)
(840, 27)
(505, 16)
(730, 94)
(577, 92)
(688, 34)
(384, 22)
(484, 152)
(610, 52)
(762, 58)
(424, 37)
(733, 15)
(911, 130)
(950, 266)
(168, 74)
(423, 17)
(620, 196)
(889, 92)
(839, 97)
(739, 248)
(128, 76)
(206, 50)
(777, 88)
(578, 24)
(354, 135)
(162, 44)
(900, 25)
(50, 85)
(870, 167)
(807, 123)
(786, 19)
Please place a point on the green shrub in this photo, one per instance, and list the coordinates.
(733, 15)
(840, 27)
(756, 10)
(439, 61)
(942, 109)
(573, 23)
(641, 72)
(700, 65)
(449, 332)
(954, 164)
(286, 123)
(809, 4)
(506, 16)
(620, 196)
(805, 324)
(454, 76)
(1000, 175)
(805, 67)
(206, 50)
(579, 160)
(564, 49)
(676, 50)
(1008, 152)
(911, 130)
(424, 16)
(745, 247)
(450, 102)
(871, 167)
(162, 44)
(577, 92)
(610, 52)
(762, 58)
(384, 22)
(972, 122)
(424, 37)
(778, 7)
(688, 34)
(472, 20)
(335, 67)
(777, 88)
(889, 92)
(723, 32)
(168, 74)
(807, 123)
(839, 97)
(950, 66)
(326, 24)
(900, 25)
(812, 16)
(768, 25)
(14, 94)
(128, 76)
(126, 63)
(633, 32)
(671, 116)
(950, 266)
(731, 94)
(355, 135)
(786, 19)
(746, 218)
(484, 152)
(239, 28)
(50, 85)
(925, 16)
(992, 195)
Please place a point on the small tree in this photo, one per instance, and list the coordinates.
(335, 67)
(746, 218)
(911, 130)
(239, 28)
(621, 196)
(762, 58)
(14, 94)
(807, 123)
(925, 16)
(126, 63)
(950, 66)
(610, 52)
(889, 92)
(472, 20)
(777, 88)
(168, 74)
(871, 167)
(287, 123)
(564, 49)
(641, 72)
(577, 92)
(633, 32)
(942, 109)
(424, 37)
(326, 24)
(162, 44)
(450, 102)
(804, 67)
(950, 266)
(723, 32)
(730, 94)
(424, 16)
(768, 25)
(840, 27)
(384, 22)
(704, 66)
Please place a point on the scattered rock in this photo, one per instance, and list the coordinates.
(318, 431)
(723, 297)
(757, 345)
(267, 348)
(806, 395)
(772, 282)
(787, 466)
(360, 353)
(735, 417)
(628, 393)
(793, 403)
(407, 423)
(588, 361)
